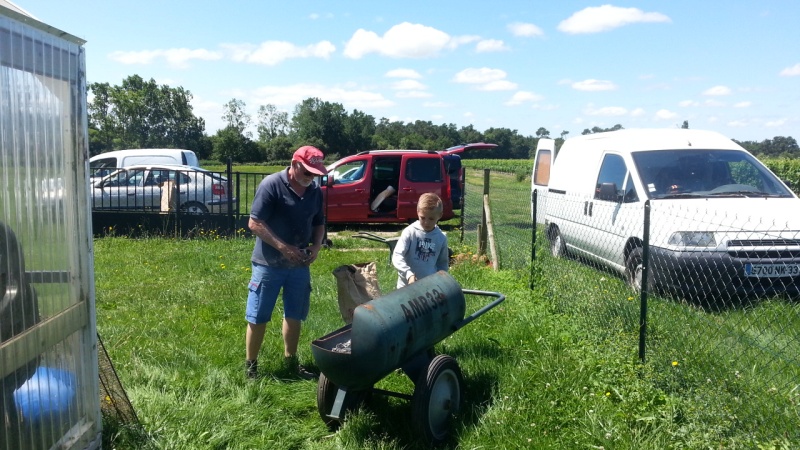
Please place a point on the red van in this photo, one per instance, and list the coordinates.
(383, 186)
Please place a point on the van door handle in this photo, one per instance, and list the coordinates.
(587, 208)
(590, 208)
(360, 191)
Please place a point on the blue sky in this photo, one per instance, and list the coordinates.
(733, 67)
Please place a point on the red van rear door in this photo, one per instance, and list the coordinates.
(420, 173)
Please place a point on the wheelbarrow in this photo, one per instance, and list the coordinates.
(390, 242)
(398, 331)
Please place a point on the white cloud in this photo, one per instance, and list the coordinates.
(479, 76)
(408, 85)
(743, 105)
(714, 103)
(525, 29)
(775, 123)
(638, 112)
(739, 123)
(665, 114)
(491, 45)
(594, 85)
(177, 57)
(291, 95)
(521, 97)
(436, 105)
(405, 40)
(717, 91)
(688, 103)
(413, 94)
(607, 17)
(606, 111)
(792, 71)
(485, 79)
(403, 73)
(498, 85)
(271, 53)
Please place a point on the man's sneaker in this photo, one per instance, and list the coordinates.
(251, 368)
(306, 374)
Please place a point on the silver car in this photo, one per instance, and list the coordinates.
(188, 189)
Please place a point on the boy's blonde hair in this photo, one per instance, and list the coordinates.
(430, 202)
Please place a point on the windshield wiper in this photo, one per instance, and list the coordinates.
(681, 195)
(744, 194)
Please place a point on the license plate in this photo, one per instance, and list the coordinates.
(771, 270)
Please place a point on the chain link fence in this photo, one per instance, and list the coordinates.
(720, 301)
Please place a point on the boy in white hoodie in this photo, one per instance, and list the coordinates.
(422, 247)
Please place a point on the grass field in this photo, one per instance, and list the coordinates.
(553, 367)
(536, 375)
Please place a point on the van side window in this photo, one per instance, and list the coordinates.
(630, 191)
(611, 179)
(424, 170)
(349, 173)
(103, 167)
(541, 173)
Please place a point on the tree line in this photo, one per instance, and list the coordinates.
(143, 114)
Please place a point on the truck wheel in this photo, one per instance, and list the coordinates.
(634, 269)
(558, 248)
(326, 397)
(437, 398)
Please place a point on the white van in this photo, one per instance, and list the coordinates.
(105, 163)
(720, 221)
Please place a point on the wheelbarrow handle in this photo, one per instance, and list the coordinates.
(369, 236)
(498, 299)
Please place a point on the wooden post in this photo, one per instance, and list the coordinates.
(482, 228)
(490, 233)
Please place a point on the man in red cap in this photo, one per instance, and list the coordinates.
(288, 222)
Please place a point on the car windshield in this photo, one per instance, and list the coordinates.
(705, 173)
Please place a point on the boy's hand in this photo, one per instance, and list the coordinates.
(412, 279)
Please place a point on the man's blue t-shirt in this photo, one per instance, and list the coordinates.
(291, 217)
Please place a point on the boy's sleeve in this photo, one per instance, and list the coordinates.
(443, 261)
(398, 255)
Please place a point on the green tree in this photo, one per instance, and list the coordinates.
(229, 142)
(542, 133)
(601, 130)
(468, 134)
(235, 115)
(359, 129)
(142, 114)
(388, 134)
(271, 123)
(322, 122)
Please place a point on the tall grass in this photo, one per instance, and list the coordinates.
(536, 374)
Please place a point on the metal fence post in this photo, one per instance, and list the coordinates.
(231, 222)
(534, 198)
(645, 276)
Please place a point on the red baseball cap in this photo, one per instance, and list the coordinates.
(311, 158)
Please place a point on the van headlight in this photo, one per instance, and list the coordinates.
(693, 239)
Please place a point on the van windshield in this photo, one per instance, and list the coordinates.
(705, 173)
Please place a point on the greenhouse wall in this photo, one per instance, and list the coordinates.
(48, 341)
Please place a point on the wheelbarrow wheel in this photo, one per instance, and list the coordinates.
(326, 397)
(437, 398)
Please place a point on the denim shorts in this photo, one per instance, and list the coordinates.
(265, 284)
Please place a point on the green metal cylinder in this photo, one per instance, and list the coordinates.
(390, 330)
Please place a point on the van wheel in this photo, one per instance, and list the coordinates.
(194, 208)
(558, 248)
(634, 269)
